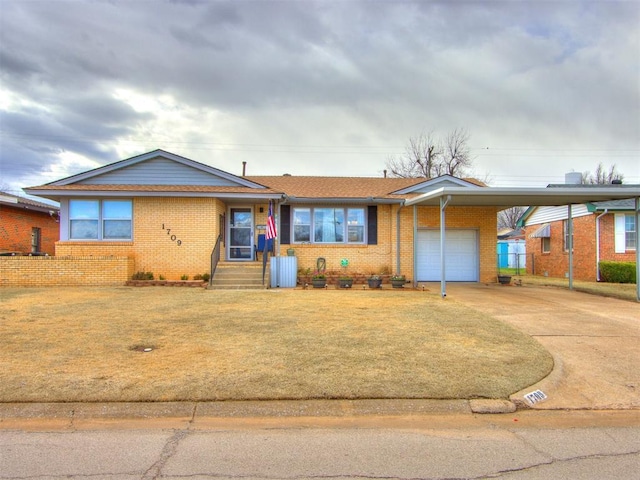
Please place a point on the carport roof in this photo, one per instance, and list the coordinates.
(510, 197)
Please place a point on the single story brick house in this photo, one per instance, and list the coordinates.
(602, 231)
(172, 216)
(27, 227)
(167, 212)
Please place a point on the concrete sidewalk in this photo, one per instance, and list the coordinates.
(594, 341)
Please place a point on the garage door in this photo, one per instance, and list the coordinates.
(461, 256)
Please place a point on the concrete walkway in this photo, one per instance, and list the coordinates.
(595, 341)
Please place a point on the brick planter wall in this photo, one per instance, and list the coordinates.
(64, 271)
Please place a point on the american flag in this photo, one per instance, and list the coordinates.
(271, 224)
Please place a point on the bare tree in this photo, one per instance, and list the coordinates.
(456, 157)
(427, 156)
(601, 176)
(509, 218)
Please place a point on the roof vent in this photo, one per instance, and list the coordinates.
(286, 174)
(616, 181)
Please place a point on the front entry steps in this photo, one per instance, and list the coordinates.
(239, 276)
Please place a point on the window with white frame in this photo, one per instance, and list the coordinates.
(630, 232)
(328, 225)
(91, 219)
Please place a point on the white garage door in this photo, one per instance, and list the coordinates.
(461, 256)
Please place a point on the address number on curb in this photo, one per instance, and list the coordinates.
(535, 397)
(172, 237)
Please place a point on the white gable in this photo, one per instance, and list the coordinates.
(435, 183)
(553, 214)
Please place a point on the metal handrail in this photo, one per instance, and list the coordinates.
(215, 258)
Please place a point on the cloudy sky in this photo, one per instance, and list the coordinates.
(318, 88)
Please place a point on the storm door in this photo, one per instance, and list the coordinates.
(240, 233)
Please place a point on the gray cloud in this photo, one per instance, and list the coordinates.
(551, 76)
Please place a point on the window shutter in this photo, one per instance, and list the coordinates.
(372, 225)
(285, 224)
(619, 233)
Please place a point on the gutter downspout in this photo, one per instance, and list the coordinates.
(570, 245)
(606, 210)
(398, 237)
(415, 246)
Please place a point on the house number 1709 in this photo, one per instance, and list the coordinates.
(172, 237)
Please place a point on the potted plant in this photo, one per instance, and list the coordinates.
(319, 280)
(374, 281)
(398, 281)
(345, 281)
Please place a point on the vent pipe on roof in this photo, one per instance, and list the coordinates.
(385, 173)
(573, 178)
(244, 168)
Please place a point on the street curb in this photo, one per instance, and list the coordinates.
(231, 409)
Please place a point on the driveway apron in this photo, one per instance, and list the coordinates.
(594, 341)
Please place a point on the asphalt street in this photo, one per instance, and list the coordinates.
(523, 445)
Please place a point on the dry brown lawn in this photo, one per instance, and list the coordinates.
(622, 291)
(86, 344)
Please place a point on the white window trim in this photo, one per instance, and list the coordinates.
(65, 213)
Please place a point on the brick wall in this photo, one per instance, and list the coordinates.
(171, 237)
(607, 242)
(382, 257)
(175, 236)
(556, 262)
(64, 271)
(16, 225)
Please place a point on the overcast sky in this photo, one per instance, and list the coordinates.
(318, 88)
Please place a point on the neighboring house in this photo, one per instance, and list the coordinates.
(603, 231)
(167, 213)
(27, 226)
(511, 249)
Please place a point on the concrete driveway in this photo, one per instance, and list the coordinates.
(595, 341)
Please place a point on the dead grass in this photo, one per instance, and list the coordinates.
(622, 291)
(86, 344)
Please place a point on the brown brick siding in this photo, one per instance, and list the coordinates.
(15, 230)
(64, 271)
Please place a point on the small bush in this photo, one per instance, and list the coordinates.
(618, 272)
(206, 277)
(142, 276)
(197, 276)
(184, 277)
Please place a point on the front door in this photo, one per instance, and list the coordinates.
(241, 233)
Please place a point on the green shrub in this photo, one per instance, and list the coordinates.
(618, 272)
(206, 277)
(184, 277)
(142, 276)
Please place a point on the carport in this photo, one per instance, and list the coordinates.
(507, 197)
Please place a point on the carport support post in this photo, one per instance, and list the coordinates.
(443, 282)
(570, 245)
(638, 249)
